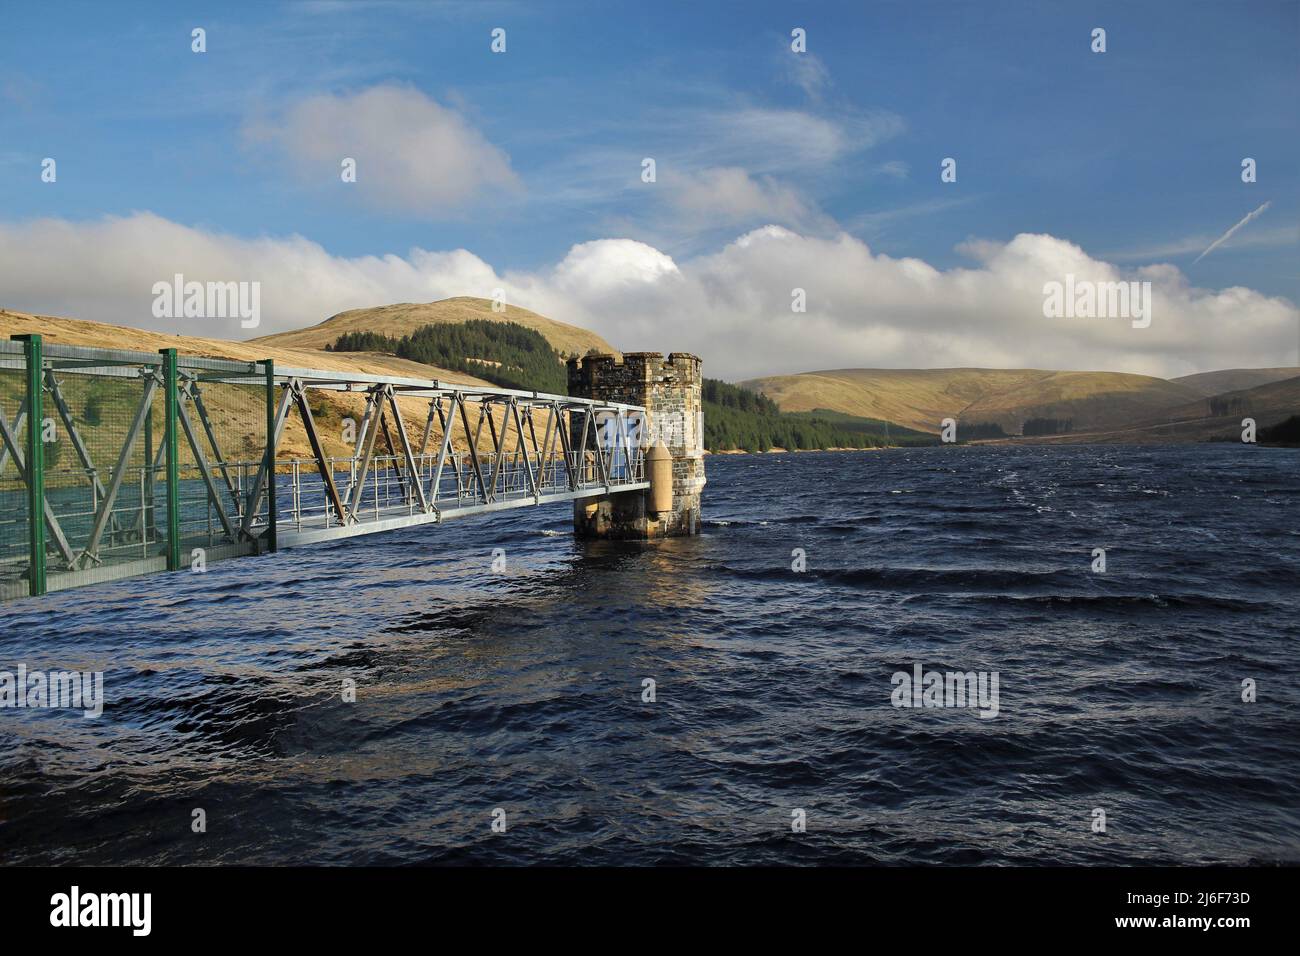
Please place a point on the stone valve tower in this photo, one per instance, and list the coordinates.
(672, 436)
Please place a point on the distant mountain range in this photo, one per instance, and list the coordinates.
(1234, 379)
(1093, 406)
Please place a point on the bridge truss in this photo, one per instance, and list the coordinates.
(135, 462)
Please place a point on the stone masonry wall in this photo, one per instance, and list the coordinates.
(671, 392)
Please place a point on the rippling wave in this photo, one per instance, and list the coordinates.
(522, 690)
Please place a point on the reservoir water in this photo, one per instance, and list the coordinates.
(524, 689)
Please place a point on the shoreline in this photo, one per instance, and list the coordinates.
(794, 451)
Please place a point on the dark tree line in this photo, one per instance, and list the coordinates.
(1219, 405)
(978, 430)
(1283, 433)
(1047, 426)
(742, 399)
(738, 419)
(363, 342)
(503, 353)
(727, 428)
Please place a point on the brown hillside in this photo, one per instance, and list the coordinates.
(1234, 379)
(1089, 399)
(331, 407)
(922, 398)
(1267, 404)
(101, 335)
(405, 317)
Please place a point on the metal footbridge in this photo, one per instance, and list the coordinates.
(120, 463)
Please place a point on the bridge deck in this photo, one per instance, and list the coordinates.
(319, 528)
(140, 475)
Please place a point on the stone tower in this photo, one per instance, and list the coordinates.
(670, 391)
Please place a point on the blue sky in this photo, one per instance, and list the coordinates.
(1133, 155)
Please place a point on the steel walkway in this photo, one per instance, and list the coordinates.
(198, 496)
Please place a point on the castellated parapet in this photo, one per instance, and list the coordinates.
(670, 390)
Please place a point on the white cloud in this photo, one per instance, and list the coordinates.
(732, 306)
(412, 155)
(729, 169)
(775, 140)
(610, 266)
(806, 71)
(729, 196)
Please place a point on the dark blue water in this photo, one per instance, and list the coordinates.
(522, 690)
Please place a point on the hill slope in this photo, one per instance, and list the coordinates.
(922, 398)
(1234, 379)
(405, 317)
(104, 336)
(1208, 419)
(329, 407)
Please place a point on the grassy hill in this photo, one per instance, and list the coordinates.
(304, 348)
(836, 408)
(922, 398)
(101, 335)
(736, 419)
(405, 318)
(1265, 403)
(1234, 379)
(329, 407)
(1214, 418)
(504, 353)
(879, 430)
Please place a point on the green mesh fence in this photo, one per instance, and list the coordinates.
(107, 474)
(221, 441)
(103, 468)
(14, 539)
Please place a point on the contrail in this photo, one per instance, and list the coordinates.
(1228, 235)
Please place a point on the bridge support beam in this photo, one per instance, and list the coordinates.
(670, 391)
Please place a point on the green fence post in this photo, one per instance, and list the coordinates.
(270, 455)
(149, 516)
(34, 357)
(173, 459)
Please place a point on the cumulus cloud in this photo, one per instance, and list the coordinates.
(609, 267)
(731, 305)
(412, 154)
